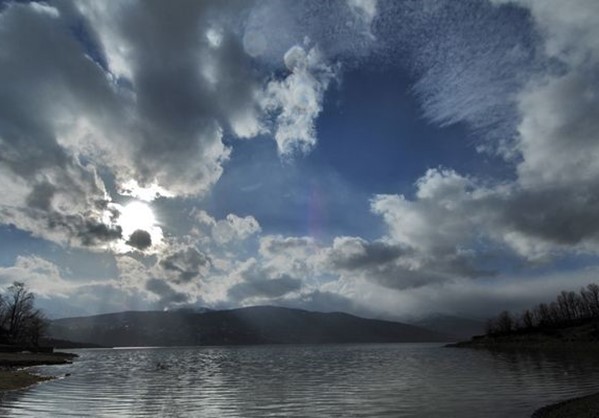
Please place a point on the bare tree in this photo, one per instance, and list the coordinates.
(491, 327)
(590, 296)
(528, 319)
(505, 322)
(542, 314)
(21, 321)
(567, 309)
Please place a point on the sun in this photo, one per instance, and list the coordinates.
(136, 215)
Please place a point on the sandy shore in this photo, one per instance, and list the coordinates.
(583, 407)
(12, 376)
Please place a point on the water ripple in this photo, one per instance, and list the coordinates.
(393, 380)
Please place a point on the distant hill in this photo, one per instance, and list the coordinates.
(254, 325)
(459, 327)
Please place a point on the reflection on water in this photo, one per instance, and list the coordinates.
(395, 380)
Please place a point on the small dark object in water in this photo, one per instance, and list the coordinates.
(67, 374)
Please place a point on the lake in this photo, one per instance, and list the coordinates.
(370, 380)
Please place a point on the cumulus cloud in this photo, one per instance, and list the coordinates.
(293, 256)
(185, 264)
(171, 279)
(297, 100)
(393, 265)
(168, 295)
(253, 280)
(234, 227)
(568, 29)
(54, 194)
(139, 97)
(41, 275)
(132, 272)
(147, 106)
(184, 88)
(59, 293)
(264, 288)
(231, 229)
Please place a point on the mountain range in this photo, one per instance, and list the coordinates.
(253, 325)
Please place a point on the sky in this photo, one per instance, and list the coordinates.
(382, 158)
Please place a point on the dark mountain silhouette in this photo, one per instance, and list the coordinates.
(255, 325)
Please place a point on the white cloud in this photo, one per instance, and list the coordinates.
(365, 11)
(45, 8)
(293, 256)
(234, 228)
(44, 278)
(440, 195)
(297, 100)
(570, 30)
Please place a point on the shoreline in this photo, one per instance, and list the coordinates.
(579, 407)
(19, 379)
(13, 373)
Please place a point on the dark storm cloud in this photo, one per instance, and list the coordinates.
(167, 294)
(140, 239)
(186, 264)
(559, 215)
(189, 75)
(398, 266)
(74, 101)
(47, 186)
(368, 254)
(94, 233)
(278, 244)
(264, 288)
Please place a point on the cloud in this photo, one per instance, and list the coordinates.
(292, 256)
(231, 229)
(171, 279)
(479, 299)
(297, 100)
(53, 194)
(365, 11)
(132, 273)
(459, 219)
(185, 90)
(567, 29)
(353, 253)
(184, 265)
(264, 288)
(147, 101)
(43, 277)
(60, 294)
(234, 228)
(253, 280)
(396, 266)
(140, 239)
(167, 294)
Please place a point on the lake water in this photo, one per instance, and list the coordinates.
(394, 380)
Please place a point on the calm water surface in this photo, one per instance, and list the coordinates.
(394, 380)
